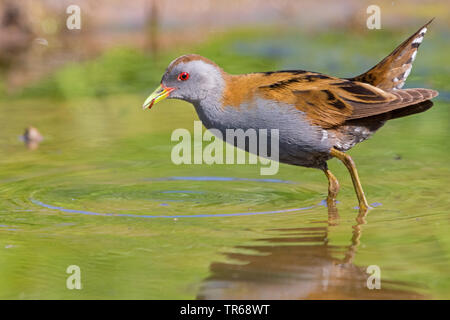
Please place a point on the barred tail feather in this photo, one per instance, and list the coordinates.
(392, 72)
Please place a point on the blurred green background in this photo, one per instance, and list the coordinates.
(98, 154)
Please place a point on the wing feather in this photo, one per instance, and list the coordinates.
(329, 101)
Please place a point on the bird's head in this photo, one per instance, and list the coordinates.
(190, 78)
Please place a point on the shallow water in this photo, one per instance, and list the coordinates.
(102, 193)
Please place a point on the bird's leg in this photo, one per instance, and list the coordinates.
(333, 185)
(348, 162)
(333, 189)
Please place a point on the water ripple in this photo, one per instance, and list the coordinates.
(48, 206)
(209, 178)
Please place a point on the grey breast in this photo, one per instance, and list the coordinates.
(300, 143)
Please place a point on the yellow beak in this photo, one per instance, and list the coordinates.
(159, 94)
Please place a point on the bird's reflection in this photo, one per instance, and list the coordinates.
(298, 264)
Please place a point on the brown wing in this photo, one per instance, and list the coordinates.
(329, 101)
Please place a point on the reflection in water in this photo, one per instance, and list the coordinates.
(298, 264)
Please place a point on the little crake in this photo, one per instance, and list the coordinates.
(318, 116)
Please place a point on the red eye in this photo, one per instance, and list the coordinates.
(183, 76)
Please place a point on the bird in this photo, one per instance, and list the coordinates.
(32, 138)
(319, 117)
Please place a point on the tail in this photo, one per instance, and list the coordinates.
(392, 71)
(415, 108)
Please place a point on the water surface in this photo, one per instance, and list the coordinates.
(101, 192)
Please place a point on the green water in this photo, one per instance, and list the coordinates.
(88, 196)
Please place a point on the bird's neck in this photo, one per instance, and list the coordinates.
(208, 110)
(210, 107)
